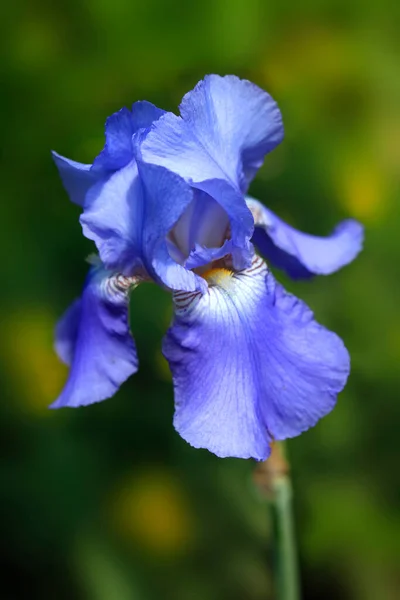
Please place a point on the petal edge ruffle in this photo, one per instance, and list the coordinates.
(299, 254)
(94, 337)
(249, 364)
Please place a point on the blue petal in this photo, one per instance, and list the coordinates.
(171, 144)
(235, 121)
(67, 332)
(166, 196)
(144, 114)
(113, 219)
(77, 178)
(250, 364)
(200, 235)
(202, 256)
(204, 223)
(172, 275)
(226, 128)
(240, 219)
(120, 127)
(299, 254)
(94, 337)
(129, 217)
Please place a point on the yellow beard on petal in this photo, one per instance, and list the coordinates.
(218, 276)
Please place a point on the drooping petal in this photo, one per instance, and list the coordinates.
(67, 331)
(299, 254)
(94, 338)
(249, 364)
(77, 177)
(119, 129)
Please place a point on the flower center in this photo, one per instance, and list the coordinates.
(219, 276)
(203, 226)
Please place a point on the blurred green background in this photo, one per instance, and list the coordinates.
(108, 503)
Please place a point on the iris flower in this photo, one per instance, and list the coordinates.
(166, 201)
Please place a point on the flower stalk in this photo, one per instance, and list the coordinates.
(273, 480)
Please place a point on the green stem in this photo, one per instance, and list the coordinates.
(273, 481)
(287, 579)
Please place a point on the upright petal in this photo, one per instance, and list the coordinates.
(249, 364)
(144, 114)
(299, 254)
(120, 127)
(94, 338)
(77, 177)
(227, 127)
(171, 144)
(235, 121)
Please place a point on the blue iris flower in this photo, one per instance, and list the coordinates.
(166, 201)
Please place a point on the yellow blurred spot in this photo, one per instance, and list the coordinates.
(152, 509)
(364, 191)
(37, 373)
(310, 53)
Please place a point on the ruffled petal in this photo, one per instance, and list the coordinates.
(226, 128)
(172, 144)
(249, 364)
(118, 151)
(77, 177)
(299, 254)
(94, 338)
(144, 114)
(235, 121)
(119, 129)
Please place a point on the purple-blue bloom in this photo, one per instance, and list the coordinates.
(166, 201)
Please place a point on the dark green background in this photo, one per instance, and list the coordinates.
(108, 503)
